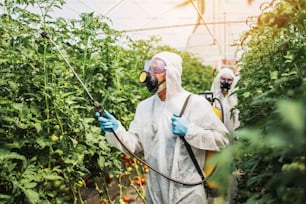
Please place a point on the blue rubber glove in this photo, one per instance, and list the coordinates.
(179, 125)
(108, 122)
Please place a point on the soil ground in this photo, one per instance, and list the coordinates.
(91, 195)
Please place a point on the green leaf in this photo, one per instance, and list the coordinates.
(292, 113)
(101, 162)
(7, 155)
(38, 127)
(274, 75)
(32, 196)
(30, 185)
(5, 198)
(42, 142)
(52, 177)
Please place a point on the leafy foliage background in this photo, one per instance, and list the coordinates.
(50, 142)
(270, 148)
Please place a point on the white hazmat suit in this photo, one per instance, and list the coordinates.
(151, 132)
(229, 101)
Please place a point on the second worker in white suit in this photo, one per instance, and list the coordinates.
(223, 88)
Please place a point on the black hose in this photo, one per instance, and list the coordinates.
(152, 168)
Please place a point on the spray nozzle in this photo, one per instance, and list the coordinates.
(98, 108)
(44, 34)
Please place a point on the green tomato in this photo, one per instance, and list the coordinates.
(302, 167)
(293, 166)
(62, 188)
(285, 168)
(79, 184)
(54, 138)
(56, 183)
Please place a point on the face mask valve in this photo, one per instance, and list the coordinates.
(150, 81)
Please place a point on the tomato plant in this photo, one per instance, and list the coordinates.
(271, 147)
(50, 142)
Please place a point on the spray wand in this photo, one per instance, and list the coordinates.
(98, 106)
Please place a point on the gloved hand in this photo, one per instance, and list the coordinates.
(108, 122)
(179, 125)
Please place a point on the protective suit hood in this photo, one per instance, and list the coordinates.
(173, 72)
(216, 84)
(229, 101)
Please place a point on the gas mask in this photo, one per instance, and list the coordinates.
(225, 85)
(150, 81)
(156, 66)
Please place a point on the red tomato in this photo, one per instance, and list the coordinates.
(108, 178)
(122, 175)
(143, 180)
(126, 157)
(126, 198)
(87, 182)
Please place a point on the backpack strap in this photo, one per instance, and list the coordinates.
(192, 156)
(185, 105)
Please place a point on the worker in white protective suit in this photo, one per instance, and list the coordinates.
(156, 129)
(223, 87)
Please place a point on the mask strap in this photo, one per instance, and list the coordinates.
(163, 81)
(161, 86)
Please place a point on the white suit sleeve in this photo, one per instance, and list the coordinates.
(130, 140)
(206, 131)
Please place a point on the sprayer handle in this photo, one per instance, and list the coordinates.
(98, 108)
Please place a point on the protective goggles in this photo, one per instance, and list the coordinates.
(156, 65)
(226, 79)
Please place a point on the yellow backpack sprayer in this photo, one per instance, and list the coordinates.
(211, 165)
